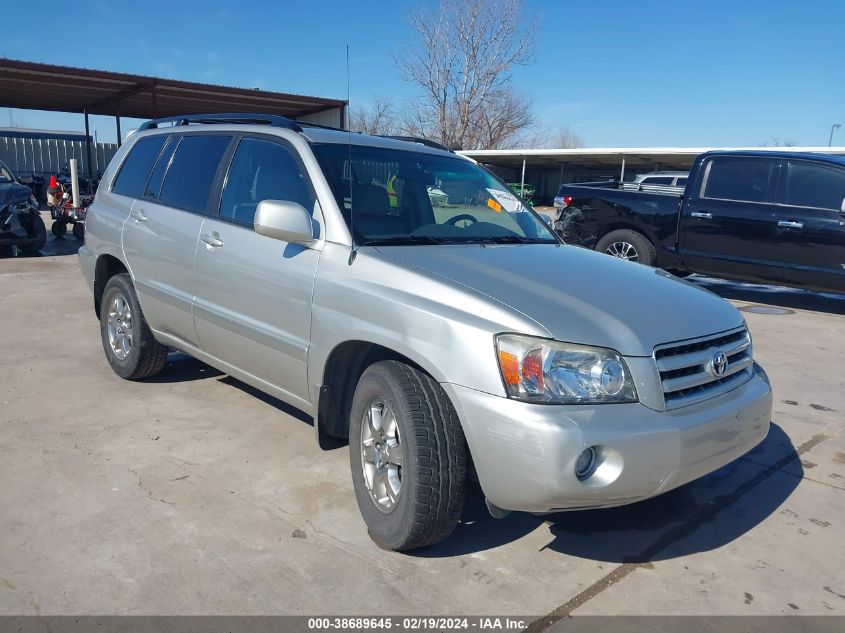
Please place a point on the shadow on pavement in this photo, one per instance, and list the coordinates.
(183, 368)
(55, 246)
(700, 516)
(790, 298)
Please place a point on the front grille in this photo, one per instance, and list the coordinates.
(685, 367)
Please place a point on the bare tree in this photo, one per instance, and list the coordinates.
(378, 117)
(462, 63)
(775, 141)
(562, 138)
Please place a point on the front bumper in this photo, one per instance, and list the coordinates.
(525, 453)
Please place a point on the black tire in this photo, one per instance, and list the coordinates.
(39, 231)
(146, 356)
(433, 451)
(638, 247)
(79, 231)
(59, 228)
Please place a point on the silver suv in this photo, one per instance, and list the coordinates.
(439, 338)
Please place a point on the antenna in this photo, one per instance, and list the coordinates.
(353, 253)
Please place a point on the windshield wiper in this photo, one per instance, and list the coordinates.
(507, 239)
(399, 240)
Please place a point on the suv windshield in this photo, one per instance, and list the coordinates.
(391, 196)
(6, 175)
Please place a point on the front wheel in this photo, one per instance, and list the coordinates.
(408, 456)
(629, 245)
(39, 232)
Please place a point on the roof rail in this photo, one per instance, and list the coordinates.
(225, 117)
(418, 139)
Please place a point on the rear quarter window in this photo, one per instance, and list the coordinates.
(132, 178)
(190, 178)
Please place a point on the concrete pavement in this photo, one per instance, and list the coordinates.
(194, 494)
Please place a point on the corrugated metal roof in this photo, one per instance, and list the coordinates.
(30, 85)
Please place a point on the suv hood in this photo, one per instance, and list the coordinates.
(580, 296)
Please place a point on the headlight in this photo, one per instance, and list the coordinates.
(541, 370)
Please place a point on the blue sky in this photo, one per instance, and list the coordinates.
(618, 73)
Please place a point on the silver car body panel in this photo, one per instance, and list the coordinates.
(271, 313)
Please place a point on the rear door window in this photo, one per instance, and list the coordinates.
(810, 184)
(190, 178)
(741, 179)
(132, 178)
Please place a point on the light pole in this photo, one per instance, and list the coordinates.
(832, 127)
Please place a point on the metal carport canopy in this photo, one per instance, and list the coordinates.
(34, 86)
(614, 155)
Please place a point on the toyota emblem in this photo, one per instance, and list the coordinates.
(719, 364)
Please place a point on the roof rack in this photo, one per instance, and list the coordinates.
(418, 139)
(225, 117)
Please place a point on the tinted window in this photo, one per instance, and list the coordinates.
(133, 175)
(262, 170)
(191, 175)
(745, 179)
(160, 167)
(814, 185)
(681, 182)
(657, 180)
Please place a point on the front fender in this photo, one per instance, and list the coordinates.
(445, 329)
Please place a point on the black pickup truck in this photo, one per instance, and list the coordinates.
(763, 217)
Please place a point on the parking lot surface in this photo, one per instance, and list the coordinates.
(192, 493)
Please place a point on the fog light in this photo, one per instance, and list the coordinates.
(584, 463)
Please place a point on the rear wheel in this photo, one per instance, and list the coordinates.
(408, 457)
(130, 347)
(79, 230)
(59, 228)
(629, 245)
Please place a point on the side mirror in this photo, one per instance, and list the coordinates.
(283, 220)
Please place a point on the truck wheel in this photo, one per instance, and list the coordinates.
(130, 348)
(40, 232)
(59, 228)
(629, 245)
(408, 457)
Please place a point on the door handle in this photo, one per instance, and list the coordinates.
(138, 215)
(788, 224)
(212, 240)
(704, 215)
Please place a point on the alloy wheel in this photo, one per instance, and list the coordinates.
(120, 327)
(381, 455)
(623, 250)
